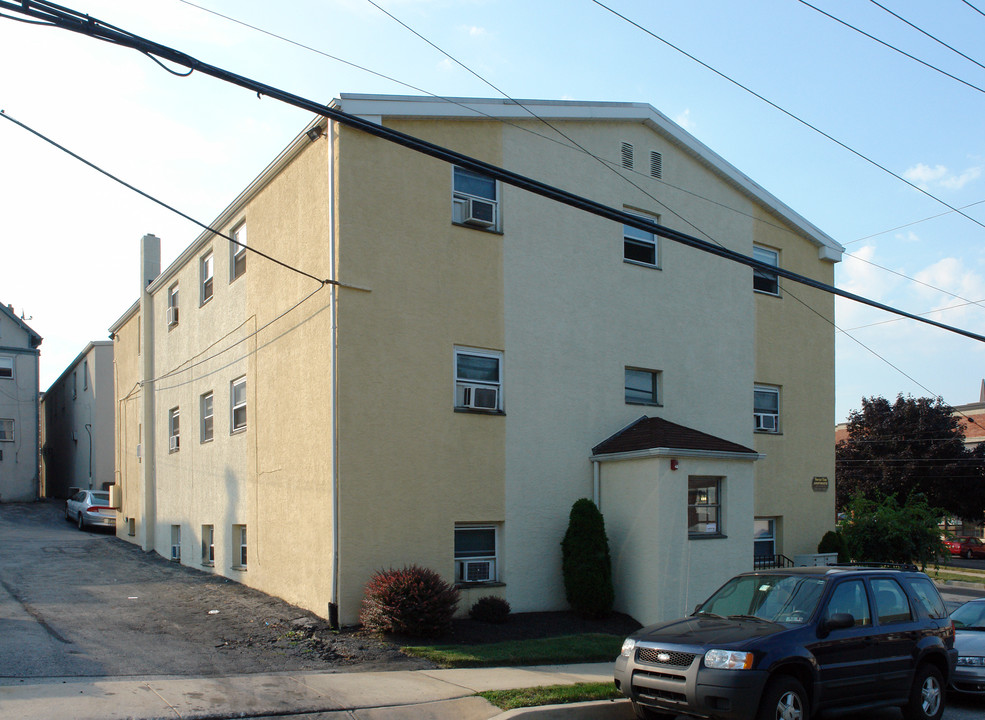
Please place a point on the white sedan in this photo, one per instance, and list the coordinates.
(969, 641)
(90, 507)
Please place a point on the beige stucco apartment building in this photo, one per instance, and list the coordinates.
(481, 359)
(77, 424)
(19, 408)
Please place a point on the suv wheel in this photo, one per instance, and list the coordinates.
(645, 713)
(784, 699)
(926, 695)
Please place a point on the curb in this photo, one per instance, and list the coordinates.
(595, 710)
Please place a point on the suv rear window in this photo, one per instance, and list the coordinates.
(928, 597)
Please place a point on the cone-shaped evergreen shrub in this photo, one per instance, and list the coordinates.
(411, 601)
(585, 562)
(490, 609)
(833, 542)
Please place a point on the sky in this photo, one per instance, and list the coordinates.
(69, 237)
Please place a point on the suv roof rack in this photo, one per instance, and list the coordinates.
(906, 567)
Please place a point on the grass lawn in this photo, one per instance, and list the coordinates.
(551, 695)
(587, 647)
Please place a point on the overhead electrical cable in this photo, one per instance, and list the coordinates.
(86, 25)
(789, 114)
(973, 8)
(910, 224)
(929, 312)
(924, 32)
(892, 47)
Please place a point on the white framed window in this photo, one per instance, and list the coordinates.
(237, 252)
(174, 434)
(206, 411)
(6, 366)
(475, 199)
(764, 538)
(478, 380)
(172, 314)
(237, 403)
(6, 430)
(642, 386)
(476, 552)
(639, 246)
(766, 408)
(176, 543)
(239, 547)
(704, 506)
(762, 280)
(207, 275)
(208, 545)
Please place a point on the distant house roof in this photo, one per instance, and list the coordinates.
(8, 310)
(655, 436)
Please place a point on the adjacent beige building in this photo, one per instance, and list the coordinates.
(19, 408)
(458, 361)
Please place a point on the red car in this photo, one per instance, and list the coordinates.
(966, 547)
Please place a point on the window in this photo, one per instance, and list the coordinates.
(478, 380)
(6, 366)
(762, 280)
(764, 538)
(642, 386)
(207, 273)
(176, 543)
(928, 597)
(237, 252)
(85, 374)
(891, 603)
(704, 506)
(6, 430)
(639, 246)
(205, 406)
(172, 316)
(208, 545)
(174, 437)
(75, 384)
(237, 399)
(766, 408)
(850, 597)
(474, 200)
(239, 547)
(475, 553)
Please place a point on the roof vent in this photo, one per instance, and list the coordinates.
(656, 164)
(627, 155)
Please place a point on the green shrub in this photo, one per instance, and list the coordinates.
(585, 562)
(411, 601)
(884, 531)
(833, 542)
(490, 609)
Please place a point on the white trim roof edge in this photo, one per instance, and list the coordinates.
(458, 107)
(676, 452)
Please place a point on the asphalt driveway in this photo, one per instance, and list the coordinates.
(87, 604)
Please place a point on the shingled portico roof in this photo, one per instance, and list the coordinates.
(654, 436)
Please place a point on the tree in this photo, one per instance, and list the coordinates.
(910, 446)
(585, 562)
(886, 531)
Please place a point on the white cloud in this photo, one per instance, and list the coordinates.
(476, 31)
(925, 176)
(684, 120)
(909, 236)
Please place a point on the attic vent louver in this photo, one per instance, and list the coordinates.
(627, 155)
(656, 164)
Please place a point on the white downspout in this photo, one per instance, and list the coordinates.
(333, 607)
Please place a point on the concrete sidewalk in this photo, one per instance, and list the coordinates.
(418, 694)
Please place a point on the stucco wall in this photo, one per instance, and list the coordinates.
(658, 571)
(128, 427)
(19, 465)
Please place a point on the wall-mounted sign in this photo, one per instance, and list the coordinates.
(820, 484)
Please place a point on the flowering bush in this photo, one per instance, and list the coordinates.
(409, 601)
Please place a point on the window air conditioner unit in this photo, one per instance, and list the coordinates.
(176, 553)
(477, 571)
(480, 212)
(766, 422)
(172, 315)
(480, 397)
(173, 444)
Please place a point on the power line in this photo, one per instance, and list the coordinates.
(929, 312)
(72, 20)
(788, 113)
(910, 224)
(893, 47)
(973, 8)
(924, 32)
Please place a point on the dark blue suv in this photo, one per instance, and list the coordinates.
(792, 643)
